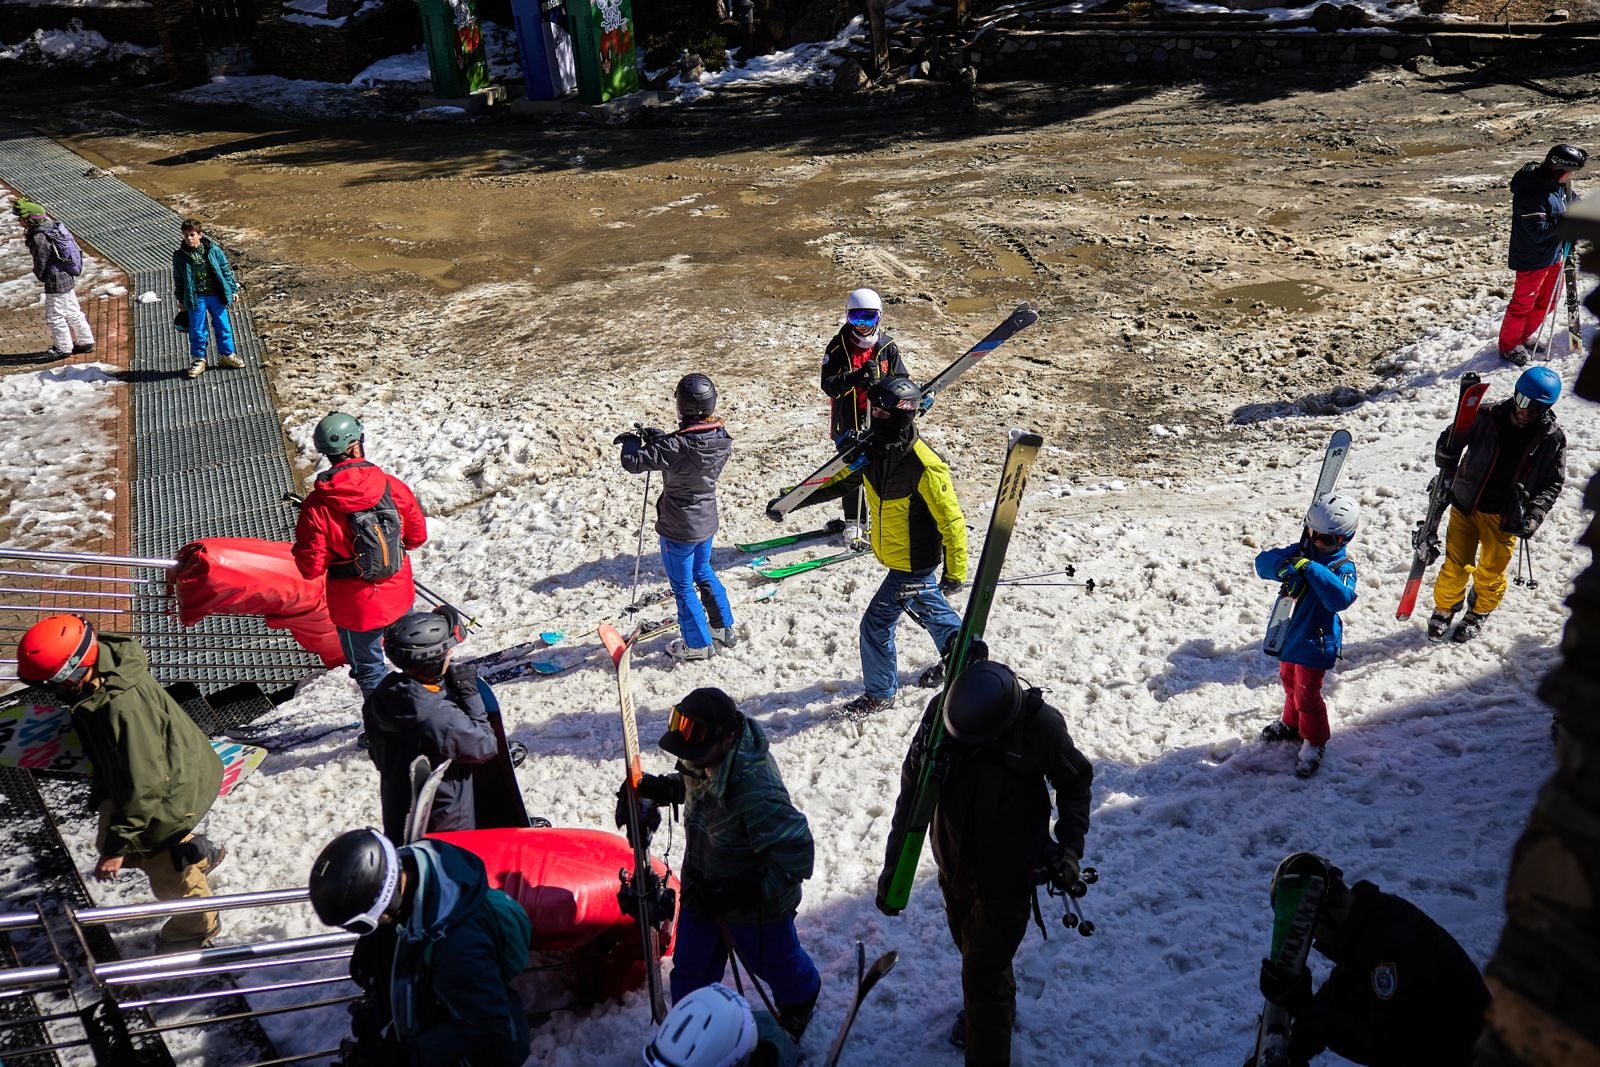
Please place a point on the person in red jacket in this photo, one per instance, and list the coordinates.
(355, 529)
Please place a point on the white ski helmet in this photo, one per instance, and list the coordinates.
(711, 1027)
(863, 300)
(863, 313)
(1336, 515)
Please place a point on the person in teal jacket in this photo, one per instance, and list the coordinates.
(1322, 580)
(205, 288)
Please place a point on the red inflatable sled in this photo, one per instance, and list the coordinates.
(245, 576)
(584, 948)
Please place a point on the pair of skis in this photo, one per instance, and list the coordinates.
(1333, 458)
(1425, 546)
(1299, 888)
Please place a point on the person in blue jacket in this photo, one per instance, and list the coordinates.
(436, 955)
(1541, 193)
(205, 287)
(1323, 582)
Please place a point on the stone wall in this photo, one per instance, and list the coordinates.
(336, 53)
(134, 25)
(1088, 55)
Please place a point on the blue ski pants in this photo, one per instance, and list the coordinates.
(770, 949)
(702, 602)
(216, 309)
(363, 651)
(913, 592)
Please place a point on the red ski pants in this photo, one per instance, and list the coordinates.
(1530, 302)
(1302, 701)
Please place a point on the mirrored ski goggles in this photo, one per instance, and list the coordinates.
(687, 728)
(1525, 402)
(862, 316)
(1325, 538)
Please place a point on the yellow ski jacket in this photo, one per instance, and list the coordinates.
(916, 518)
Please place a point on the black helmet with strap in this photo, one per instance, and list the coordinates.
(982, 703)
(417, 643)
(355, 880)
(1566, 157)
(696, 396)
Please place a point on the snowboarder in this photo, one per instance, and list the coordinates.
(153, 774)
(1541, 193)
(205, 287)
(690, 459)
(1402, 991)
(355, 530)
(1004, 749)
(429, 707)
(747, 849)
(1504, 484)
(715, 1027)
(860, 354)
(916, 525)
(1323, 582)
(70, 333)
(438, 950)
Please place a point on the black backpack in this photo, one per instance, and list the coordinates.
(376, 549)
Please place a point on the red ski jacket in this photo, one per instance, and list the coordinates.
(322, 537)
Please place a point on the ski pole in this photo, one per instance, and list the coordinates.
(1088, 584)
(1069, 570)
(638, 552)
(1548, 318)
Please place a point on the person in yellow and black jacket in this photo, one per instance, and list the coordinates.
(916, 525)
(861, 353)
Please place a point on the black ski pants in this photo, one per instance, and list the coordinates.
(987, 930)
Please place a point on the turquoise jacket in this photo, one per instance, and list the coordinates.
(183, 273)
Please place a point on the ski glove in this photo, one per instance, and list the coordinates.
(1061, 867)
(1289, 989)
(629, 440)
(649, 817)
(1291, 568)
(461, 678)
(885, 880)
(652, 434)
(1531, 519)
(950, 586)
(662, 788)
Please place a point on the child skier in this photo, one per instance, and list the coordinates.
(1323, 582)
(690, 461)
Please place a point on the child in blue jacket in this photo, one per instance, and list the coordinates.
(1323, 582)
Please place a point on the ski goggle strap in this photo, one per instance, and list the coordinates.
(862, 316)
(367, 921)
(687, 728)
(70, 669)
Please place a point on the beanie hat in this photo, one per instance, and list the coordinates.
(27, 209)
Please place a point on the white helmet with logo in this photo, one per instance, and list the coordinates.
(1336, 515)
(711, 1027)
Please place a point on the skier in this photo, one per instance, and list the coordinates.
(690, 459)
(47, 239)
(1501, 489)
(1402, 991)
(205, 288)
(153, 775)
(438, 950)
(746, 851)
(916, 524)
(1323, 582)
(429, 707)
(355, 530)
(1541, 193)
(860, 354)
(1004, 749)
(715, 1027)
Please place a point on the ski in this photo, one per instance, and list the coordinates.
(1425, 545)
(853, 457)
(1022, 451)
(1299, 886)
(834, 526)
(511, 671)
(777, 574)
(422, 794)
(866, 978)
(1333, 458)
(642, 890)
(1569, 271)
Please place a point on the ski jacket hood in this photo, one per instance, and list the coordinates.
(150, 765)
(406, 718)
(916, 518)
(1538, 204)
(742, 832)
(322, 538)
(1326, 585)
(847, 409)
(46, 267)
(1537, 479)
(691, 461)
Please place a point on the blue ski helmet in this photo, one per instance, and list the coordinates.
(1538, 385)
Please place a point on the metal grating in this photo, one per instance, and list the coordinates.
(208, 454)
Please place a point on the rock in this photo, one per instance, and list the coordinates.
(1325, 17)
(1352, 17)
(849, 77)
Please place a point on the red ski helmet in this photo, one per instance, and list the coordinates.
(57, 650)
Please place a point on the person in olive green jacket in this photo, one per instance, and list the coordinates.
(153, 774)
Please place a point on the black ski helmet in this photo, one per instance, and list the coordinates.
(982, 703)
(355, 880)
(696, 397)
(1565, 157)
(894, 402)
(417, 643)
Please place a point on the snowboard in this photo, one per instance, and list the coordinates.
(1020, 454)
(1333, 458)
(424, 787)
(496, 794)
(36, 734)
(1299, 887)
(1425, 545)
(866, 978)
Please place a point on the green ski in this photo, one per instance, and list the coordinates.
(833, 527)
(791, 569)
(1024, 448)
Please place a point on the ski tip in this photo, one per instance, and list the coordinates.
(615, 643)
(1028, 438)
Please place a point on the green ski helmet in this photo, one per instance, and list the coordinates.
(336, 433)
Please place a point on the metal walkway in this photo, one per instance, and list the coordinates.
(209, 454)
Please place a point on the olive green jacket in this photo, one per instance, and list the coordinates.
(147, 759)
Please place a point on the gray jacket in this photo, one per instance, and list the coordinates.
(45, 266)
(690, 461)
(406, 718)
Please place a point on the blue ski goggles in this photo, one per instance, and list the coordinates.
(862, 316)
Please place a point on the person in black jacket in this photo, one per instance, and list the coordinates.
(1004, 749)
(430, 707)
(861, 353)
(1514, 468)
(1540, 195)
(690, 459)
(1402, 991)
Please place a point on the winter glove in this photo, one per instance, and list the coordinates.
(649, 817)
(461, 679)
(1531, 518)
(951, 586)
(652, 434)
(1289, 989)
(884, 881)
(850, 439)
(977, 650)
(713, 900)
(1290, 568)
(863, 376)
(662, 788)
(1061, 866)
(629, 440)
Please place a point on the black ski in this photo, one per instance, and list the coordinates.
(1569, 271)
(866, 978)
(1425, 539)
(1299, 887)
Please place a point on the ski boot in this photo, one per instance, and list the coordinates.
(1280, 731)
(1518, 356)
(724, 636)
(683, 653)
(854, 535)
(861, 708)
(228, 359)
(197, 368)
(1310, 758)
(1471, 625)
(1439, 624)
